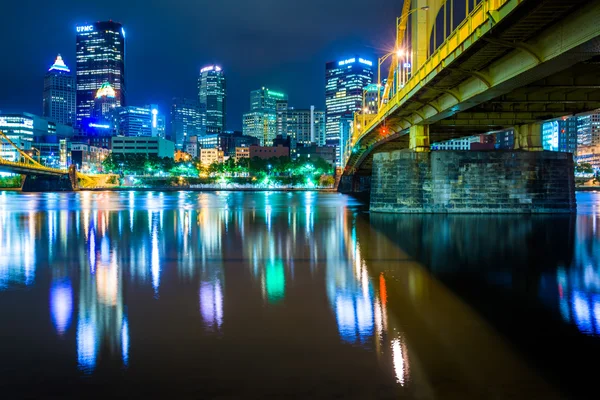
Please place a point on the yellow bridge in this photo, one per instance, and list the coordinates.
(508, 64)
(49, 178)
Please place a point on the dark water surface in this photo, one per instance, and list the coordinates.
(231, 295)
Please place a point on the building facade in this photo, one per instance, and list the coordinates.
(143, 145)
(560, 135)
(137, 121)
(59, 94)
(306, 126)
(266, 152)
(588, 130)
(210, 156)
(344, 84)
(212, 96)
(185, 120)
(100, 59)
(261, 121)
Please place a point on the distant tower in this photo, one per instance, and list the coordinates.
(105, 103)
(344, 84)
(59, 93)
(261, 121)
(185, 120)
(212, 99)
(100, 59)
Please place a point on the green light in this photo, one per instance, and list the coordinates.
(275, 281)
(276, 94)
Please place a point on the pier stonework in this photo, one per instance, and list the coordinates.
(473, 182)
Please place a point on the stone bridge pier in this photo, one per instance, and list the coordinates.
(51, 183)
(524, 180)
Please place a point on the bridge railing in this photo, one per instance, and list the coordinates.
(20, 164)
(476, 18)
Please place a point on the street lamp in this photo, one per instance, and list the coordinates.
(398, 52)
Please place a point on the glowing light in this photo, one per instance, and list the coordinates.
(61, 305)
(367, 62)
(154, 117)
(211, 304)
(276, 94)
(211, 68)
(86, 345)
(59, 65)
(275, 281)
(85, 28)
(398, 359)
(106, 90)
(125, 341)
(123, 32)
(348, 61)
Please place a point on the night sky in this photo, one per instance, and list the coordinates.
(280, 44)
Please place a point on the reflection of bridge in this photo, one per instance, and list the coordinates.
(38, 177)
(509, 64)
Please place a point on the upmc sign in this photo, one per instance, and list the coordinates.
(87, 28)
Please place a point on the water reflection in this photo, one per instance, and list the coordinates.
(133, 274)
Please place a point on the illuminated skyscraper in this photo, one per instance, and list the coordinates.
(100, 60)
(344, 84)
(261, 121)
(185, 120)
(306, 126)
(212, 97)
(59, 93)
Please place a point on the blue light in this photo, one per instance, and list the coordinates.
(348, 61)
(100, 126)
(61, 305)
(123, 32)
(367, 62)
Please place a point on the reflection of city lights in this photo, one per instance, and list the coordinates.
(61, 305)
(398, 359)
(125, 341)
(86, 345)
(155, 262)
(107, 283)
(275, 281)
(211, 303)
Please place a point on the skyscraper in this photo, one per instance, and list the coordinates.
(59, 93)
(344, 84)
(261, 121)
(185, 120)
(100, 59)
(212, 97)
(306, 126)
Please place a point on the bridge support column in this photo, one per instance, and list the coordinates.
(485, 182)
(51, 183)
(419, 138)
(528, 137)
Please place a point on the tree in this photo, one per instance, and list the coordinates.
(584, 168)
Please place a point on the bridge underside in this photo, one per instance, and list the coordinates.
(516, 73)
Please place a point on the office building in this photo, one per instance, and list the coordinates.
(88, 158)
(59, 94)
(281, 114)
(138, 121)
(150, 146)
(212, 99)
(23, 129)
(588, 130)
(560, 135)
(344, 84)
(242, 152)
(372, 95)
(105, 104)
(185, 120)
(261, 121)
(100, 59)
(463, 143)
(313, 152)
(211, 156)
(306, 126)
(505, 140)
(266, 152)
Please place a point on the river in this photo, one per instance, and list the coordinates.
(292, 295)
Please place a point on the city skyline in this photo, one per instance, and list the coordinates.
(292, 62)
